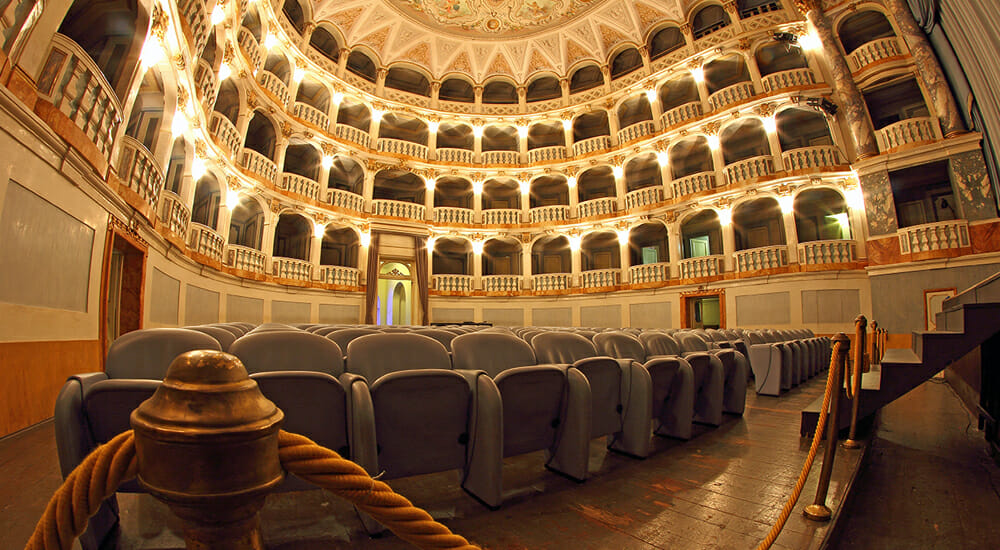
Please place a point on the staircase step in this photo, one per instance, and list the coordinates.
(871, 383)
(985, 291)
(900, 356)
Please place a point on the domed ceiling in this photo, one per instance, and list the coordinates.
(482, 38)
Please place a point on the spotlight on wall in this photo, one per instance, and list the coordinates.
(786, 37)
(714, 143)
(823, 104)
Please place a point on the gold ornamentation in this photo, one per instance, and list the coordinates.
(499, 66)
(538, 62)
(421, 53)
(575, 52)
(286, 129)
(346, 19)
(460, 64)
(275, 206)
(712, 128)
(376, 39)
(611, 37)
(648, 16)
(765, 109)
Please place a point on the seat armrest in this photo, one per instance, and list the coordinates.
(74, 441)
(360, 421)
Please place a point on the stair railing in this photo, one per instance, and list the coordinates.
(853, 374)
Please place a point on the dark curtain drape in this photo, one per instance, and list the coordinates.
(420, 248)
(371, 281)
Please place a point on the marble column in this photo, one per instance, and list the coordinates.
(675, 248)
(429, 203)
(851, 102)
(625, 261)
(928, 68)
(525, 265)
(729, 247)
(576, 266)
(791, 236)
(477, 270)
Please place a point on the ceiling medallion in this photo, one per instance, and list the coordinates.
(493, 17)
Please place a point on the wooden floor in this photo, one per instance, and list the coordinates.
(722, 489)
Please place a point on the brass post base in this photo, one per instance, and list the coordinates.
(817, 512)
(851, 444)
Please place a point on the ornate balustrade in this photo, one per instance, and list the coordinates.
(551, 281)
(245, 258)
(553, 213)
(174, 213)
(402, 147)
(452, 283)
(259, 165)
(636, 131)
(876, 50)
(301, 185)
(398, 209)
(291, 268)
(500, 157)
(362, 84)
(345, 199)
(695, 183)
(826, 252)
(453, 214)
(547, 154)
(73, 84)
(649, 273)
(339, 275)
(502, 216)
(406, 98)
(591, 145)
(206, 82)
(747, 169)
(139, 171)
(731, 94)
(792, 78)
(450, 154)
(250, 48)
(597, 207)
(270, 82)
(224, 132)
(930, 237)
(906, 131)
(764, 257)
(702, 266)
(354, 135)
(312, 115)
(643, 197)
(501, 283)
(599, 278)
(206, 241)
(196, 17)
(681, 114)
(323, 61)
(811, 158)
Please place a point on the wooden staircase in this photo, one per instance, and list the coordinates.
(966, 321)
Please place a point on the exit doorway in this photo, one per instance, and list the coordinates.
(704, 311)
(122, 284)
(395, 293)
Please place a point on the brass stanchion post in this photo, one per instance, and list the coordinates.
(207, 445)
(876, 355)
(855, 381)
(817, 510)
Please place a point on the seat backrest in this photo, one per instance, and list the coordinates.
(394, 330)
(236, 330)
(146, 353)
(690, 341)
(221, 335)
(288, 350)
(493, 352)
(620, 345)
(272, 327)
(314, 403)
(344, 336)
(658, 343)
(442, 336)
(374, 355)
(562, 347)
(588, 334)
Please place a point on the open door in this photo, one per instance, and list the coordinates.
(122, 279)
(704, 310)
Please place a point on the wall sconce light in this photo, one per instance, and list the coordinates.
(365, 238)
(787, 203)
(855, 198)
(809, 41)
(218, 14)
(770, 125)
(198, 168)
(429, 183)
(714, 143)
(663, 158)
(232, 199)
(725, 216)
(477, 187)
(522, 131)
(433, 126)
(618, 171)
(477, 247)
(338, 97)
(651, 95)
(698, 74)
(298, 74)
(318, 230)
(477, 131)
(152, 52)
(327, 162)
(180, 124)
(574, 242)
(377, 113)
(623, 236)
(571, 181)
(270, 41)
(225, 71)
(525, 186)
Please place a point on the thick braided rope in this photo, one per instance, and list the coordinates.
(304, 458)
(787, 510)
(83, 491)
(853, 381)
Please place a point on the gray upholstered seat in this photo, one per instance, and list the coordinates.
(442, 336)
(224, 337)
(288, 350)
(709, 378)
(148, 352)
(343, 336)
(771, 369)
(734, 366)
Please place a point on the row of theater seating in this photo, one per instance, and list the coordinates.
(403, 401)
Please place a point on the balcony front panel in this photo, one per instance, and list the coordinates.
(905, 132)
(502, 216)
(591, 145)
(406, 98)
(174, 213)
(876, 50)
(250, 48)
(345, 199)
(206, 241)
(764, 257)
(291, 268)
(627, 80)
(206, 82)
(643, 197)
(551, 281)
(402, 147)
(741, 91)
(554, 213)
(783, 80)
(452, 283)
(245, 258)
(323, 61)
(195, 14)
(354, 135)
(224, 132)
(649, 273)
(453, 155)
(748, 169)
(451, 214)
(681, 114)
(636, 131)
(500, 157)
(811, 158)
(838, 251)
(695, 183)
(600, 278)
(259, 165)
(931, 237)
(398, 209)
(542, 106)
(547, 154)
(294, 183)
(139, 171)
(501, 283)
(270, 82)
(456, 106)
(668, 59)
(702, 266)
(603, 206)
(359, 83)
(312, 115)
(339, 275)
(580, 98)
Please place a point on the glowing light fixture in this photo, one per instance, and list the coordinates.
(787, 203)
(198, 168)
(841, 219)
(522, 131)
(431, 241)
(152, 53)
(477, 247)
(224, 71)
(663, 158)
(574, 242)
(617, 171)
(525, 186)
(477, 131)
(567, 124)
(429, 183)
(377, 113)
(327, 161)
(714, 143)
(298, 74)
(270, 41)
(770, 126)
(622, 236)
(571, 181)
(725, 216)
(318, 230)
(698, 74)
(365, 238)
(433, 126)
(477, 187)
(338, 97)
(232, 199)
(180, 124)
(809, 41)
(218, 14)
(855, 198)
(651, 95)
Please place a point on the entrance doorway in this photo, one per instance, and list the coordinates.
(122, 284)
(395, 293)
(704, 311)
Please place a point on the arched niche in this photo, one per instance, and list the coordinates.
(500, 138)
(455, 135)
(585, 78)
(590, 125)
(324, 42)
(147, 112)
(709, 19)
(551, 254)
(360, 64)
(863, 27)
(313, 93)
(546, 134)
(177, 166)
(408, 80)
(304, 160)
(295, 14)
(701, 234)
(246, 224)
(543, 88)
(642, 171)
(744, 139)
(723, 72)
(277, 64)
(354, 114)
(820, 215)
(451, 256)
(339, 247)
(501, 193)
(776, 57)
(499, 91)
(453, 191)
(227, 102)
(633, 111)
(207, 199)
(260, 135)
(798, 128)
(502, 256)
(758, 223)
(549, 191)
(665, 41)
(404, 127)
(599, 250)
(677, 92)
(690, 156)
(648, 244)
(624, 62)
(115, 44)
(399, 185)
(457, 89)
(596, 183)
(292, 237)
(346, 174)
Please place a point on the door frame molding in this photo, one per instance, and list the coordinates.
(118, 229)
(687, 300)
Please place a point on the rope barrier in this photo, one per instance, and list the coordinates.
(109, 465)
(817, 436)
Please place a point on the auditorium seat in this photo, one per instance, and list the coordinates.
(224, 337)
(734, 368)
(147, 353)
(235, 330)
(709, 378)
(288, 351)
(771, 369)
(343, 336)
(442, 336)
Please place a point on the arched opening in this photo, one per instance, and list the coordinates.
(499, 92)
(292, 237)
(648, 244)
(677, 92)
(454, 192)
(339, 247)
(293, 11)
(665, 41)
(501, 193)
(779, 56)
(708, 20)
(304, 160)
(590, 125)
(820, 215)
(596, 183)
(725, 71)
(260, 135)
(750, 8)
(176, 168)
(207, 198)
(362, 65)
(642, 171)
(403, 127)
(277, 64)
(395, 290)
(408, 80)
(549, 191)
(502, 257)
(551, 254)
(397, 315)
(889, 103)
(758, 223)
(624, 62)
(457, 89)
(744, 139)
(313, 93)
(346, 174)
(246, 224)
(251, 21)
(599, 250)
(798, 128)
(500, 138)
(399, 185)
(546, 134)
(690, 156)
(451, 256)
(114, 44)
(147, 111)
(633, 111)
(863, 27)
(227, 103)
(543, 88)
(701, 234)
(585, 78)
(324, 42)
(355, 115)
(453, 135)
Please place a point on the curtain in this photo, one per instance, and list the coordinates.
(371, 281)
(420, 249)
